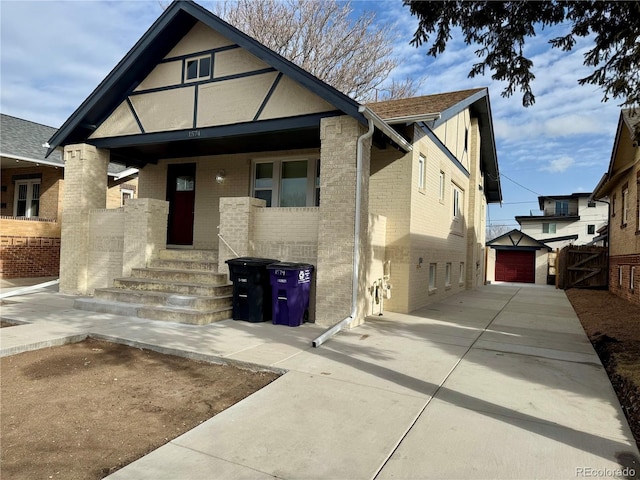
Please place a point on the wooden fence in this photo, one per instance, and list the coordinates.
(582, 267)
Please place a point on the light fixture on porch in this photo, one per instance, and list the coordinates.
(220, 176)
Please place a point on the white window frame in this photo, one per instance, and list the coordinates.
(441, 186)
(625, 206)
(198, 76)
(433, 277)
(462, 274)
(422, 169)
(447, 274)
(312, 168)
(631, 280)
(124, 191)
(457, 199)
(29, 183)
(549, 225)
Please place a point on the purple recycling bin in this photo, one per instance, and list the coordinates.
(290, 286)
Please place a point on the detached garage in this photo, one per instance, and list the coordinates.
(517, 257)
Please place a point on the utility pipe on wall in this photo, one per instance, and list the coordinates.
(356, 239)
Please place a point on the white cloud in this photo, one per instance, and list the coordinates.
(558, 165)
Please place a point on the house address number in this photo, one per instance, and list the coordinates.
(194, 133)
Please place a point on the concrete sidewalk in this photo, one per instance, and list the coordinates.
(499, 382)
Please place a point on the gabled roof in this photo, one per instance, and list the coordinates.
(25, 141)
(515, 237)
(154, 45)
(444, 106)
(628, 122)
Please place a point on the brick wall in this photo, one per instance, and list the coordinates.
(29, 257)
(50, 190)
(338, 180)
(623, 264)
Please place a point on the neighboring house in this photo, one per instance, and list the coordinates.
(31, 198)
(517, 257)
(621, 185)
(242, 152)
(565, 219)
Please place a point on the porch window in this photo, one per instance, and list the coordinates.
(287, 183)
(27, 198)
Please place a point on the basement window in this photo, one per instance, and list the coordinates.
(197, 68)
(432, 277)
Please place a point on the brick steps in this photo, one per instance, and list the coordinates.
(179, 286)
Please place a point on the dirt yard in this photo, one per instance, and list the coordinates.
(83, 411)
(613, 327)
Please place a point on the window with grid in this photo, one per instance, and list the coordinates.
(27, 198)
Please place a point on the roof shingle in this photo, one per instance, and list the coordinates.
(420, 105)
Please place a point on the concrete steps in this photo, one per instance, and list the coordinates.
(179, 286)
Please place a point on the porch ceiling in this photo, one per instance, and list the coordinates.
(281, 134)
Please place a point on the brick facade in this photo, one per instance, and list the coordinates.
(339, 136)
(29, 257)
(85, 190)
(624, 236)
(620, 283)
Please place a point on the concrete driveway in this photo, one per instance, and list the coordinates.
(499, 382)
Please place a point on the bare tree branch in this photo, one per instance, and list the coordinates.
(354, 55)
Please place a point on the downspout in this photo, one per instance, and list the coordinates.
(356, 239)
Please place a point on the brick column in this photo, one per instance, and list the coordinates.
(85, 188)
(145, 231)
(236, 227)
(334, 274)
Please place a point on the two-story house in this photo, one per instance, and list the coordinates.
(242, 152)
(565, 219)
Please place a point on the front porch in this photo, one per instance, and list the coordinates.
(101, 246)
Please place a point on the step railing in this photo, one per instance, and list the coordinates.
(226, 243)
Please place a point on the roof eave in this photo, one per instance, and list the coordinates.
(168, 19)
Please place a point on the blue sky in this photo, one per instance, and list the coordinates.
(54, 53)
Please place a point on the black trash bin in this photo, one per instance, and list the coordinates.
(251, 288)
(290, 286)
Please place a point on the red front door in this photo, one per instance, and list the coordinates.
(181, 195)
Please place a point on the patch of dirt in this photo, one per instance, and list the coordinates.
(83, 411)
(613, 326)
